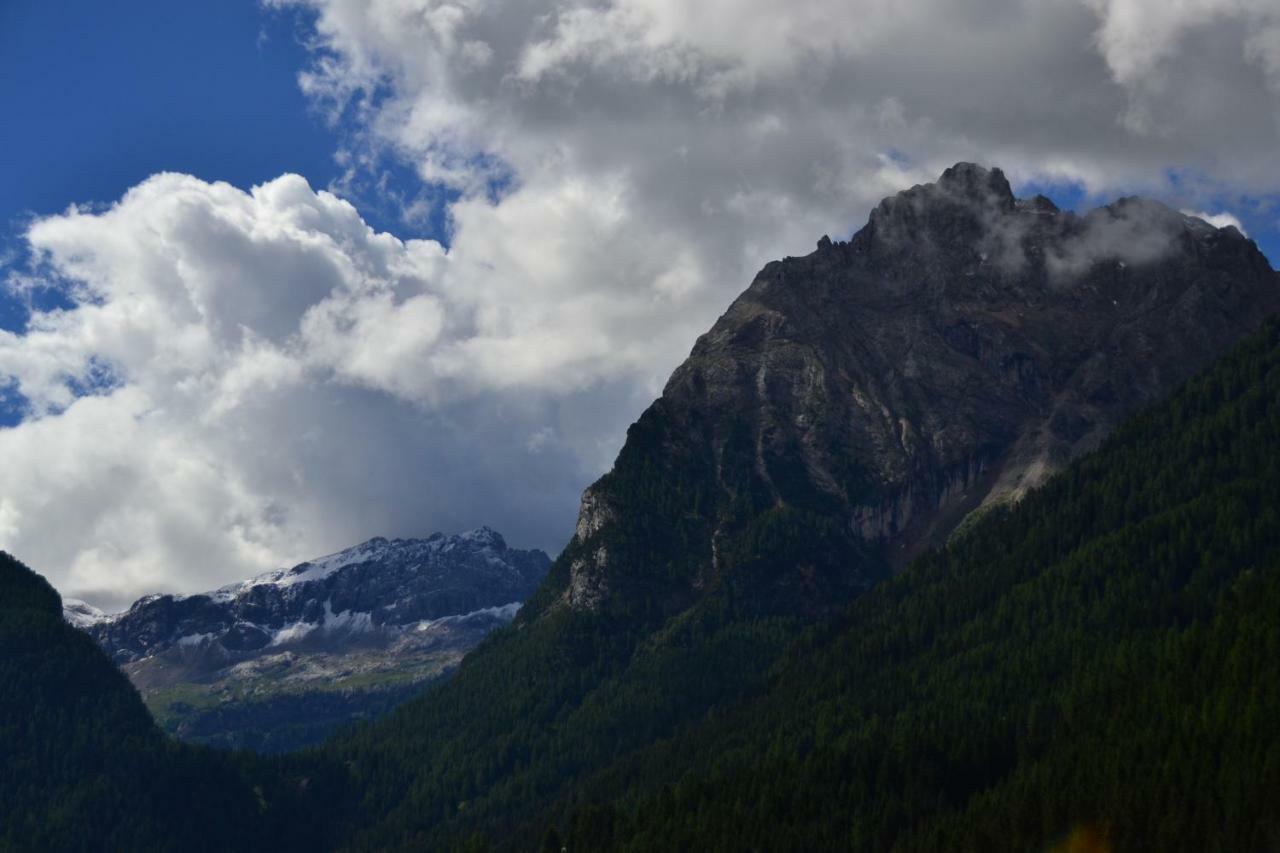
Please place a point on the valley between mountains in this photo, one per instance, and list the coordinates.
(962, 534)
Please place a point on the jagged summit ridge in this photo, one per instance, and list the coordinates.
(956, 351)
(971, 218)
(482, 541)
(978, 181)
(379, 585)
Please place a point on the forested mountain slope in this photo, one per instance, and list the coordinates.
(1103, 660)
(84, 767)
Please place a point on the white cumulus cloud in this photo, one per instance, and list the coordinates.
(251, 378)
(1219, 220)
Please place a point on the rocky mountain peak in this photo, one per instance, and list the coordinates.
(969, 180)
(966, 205)
(485, 537)
(959, 349)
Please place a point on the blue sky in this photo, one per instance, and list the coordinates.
(98, 96)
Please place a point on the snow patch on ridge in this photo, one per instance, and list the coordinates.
(351, 621)
(292, 633)
(196, 639)
(505, 612)
(346, 620)
(81, 614)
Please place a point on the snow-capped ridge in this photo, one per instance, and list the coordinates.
(376, 549)
(371, 592)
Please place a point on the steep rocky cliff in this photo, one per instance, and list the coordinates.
(853, 406)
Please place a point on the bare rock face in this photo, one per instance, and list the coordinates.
(959, 349)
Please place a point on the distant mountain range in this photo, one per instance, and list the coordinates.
(277, 661)
(961, 534)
